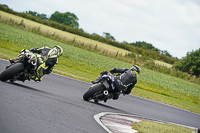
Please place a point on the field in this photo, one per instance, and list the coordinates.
(161, 63)
(84, 65)
(63, 34)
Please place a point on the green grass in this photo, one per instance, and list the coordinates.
(167, 99)
(155, 127)
(85, 65)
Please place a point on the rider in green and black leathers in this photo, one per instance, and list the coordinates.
(47, 59)
(124, 81)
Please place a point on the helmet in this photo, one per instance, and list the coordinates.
(60, 50)
(136, 68)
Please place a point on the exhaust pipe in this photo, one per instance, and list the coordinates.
(105, 92)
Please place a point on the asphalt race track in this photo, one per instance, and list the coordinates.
(56, 106)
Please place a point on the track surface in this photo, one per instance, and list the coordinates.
(56, 106)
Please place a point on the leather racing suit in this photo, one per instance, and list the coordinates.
(126, 79)
(47, 59)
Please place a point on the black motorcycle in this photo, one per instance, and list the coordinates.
(23, 69)
(101, 91)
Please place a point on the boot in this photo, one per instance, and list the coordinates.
(116, 96)
(105, 99)
(97, 80)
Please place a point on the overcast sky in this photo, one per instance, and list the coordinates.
(172, 25)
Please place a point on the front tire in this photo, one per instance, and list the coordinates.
(94, 89)
(11, 71)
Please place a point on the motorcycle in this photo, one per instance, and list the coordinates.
(101, 91)
(23, 69)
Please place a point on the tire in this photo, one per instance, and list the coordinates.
(96, 88)
(11, 71)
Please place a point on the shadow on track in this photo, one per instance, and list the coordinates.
(29, 88)
(52, 96)
(41, 92)
(109, 107)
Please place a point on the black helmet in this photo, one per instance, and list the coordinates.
(136, 68)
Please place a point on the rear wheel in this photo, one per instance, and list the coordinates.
(11, 71)
(94, 89)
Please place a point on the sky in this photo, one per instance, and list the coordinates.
(172, 25)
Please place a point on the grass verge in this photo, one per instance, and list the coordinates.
(155, 127)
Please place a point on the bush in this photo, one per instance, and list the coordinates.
(190, 63)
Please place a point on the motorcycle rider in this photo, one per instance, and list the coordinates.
(124, 81)
(47, 59)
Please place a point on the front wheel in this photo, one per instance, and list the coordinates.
(11, 71)
(93, 90)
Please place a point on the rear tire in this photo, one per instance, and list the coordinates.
(11, 71)
(96, 88)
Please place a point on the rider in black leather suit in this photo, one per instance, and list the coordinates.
(124, 81)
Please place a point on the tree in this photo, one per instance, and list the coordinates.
(4, 5)
(125, 42)
(108, 36)
(42, 16)
(144, 45)
(67, 18)
(33, 13)
(190, 63)
(165, 52)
